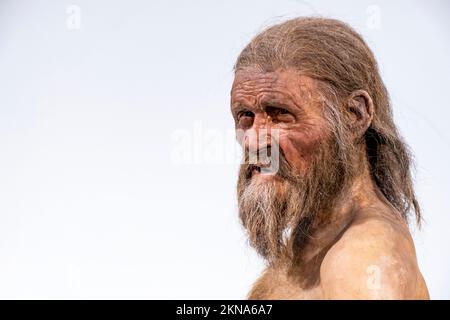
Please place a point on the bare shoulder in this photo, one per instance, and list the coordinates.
(374, 259)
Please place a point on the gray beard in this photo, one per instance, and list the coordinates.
(278, 214)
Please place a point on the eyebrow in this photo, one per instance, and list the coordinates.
(286, 102)
(273, 101)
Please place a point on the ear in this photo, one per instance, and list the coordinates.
(359, 108)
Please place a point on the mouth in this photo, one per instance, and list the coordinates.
(260, 169)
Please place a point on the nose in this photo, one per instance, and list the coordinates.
(258, 136)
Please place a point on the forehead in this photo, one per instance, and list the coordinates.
(251, 84)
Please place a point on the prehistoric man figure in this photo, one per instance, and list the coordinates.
(331, 221)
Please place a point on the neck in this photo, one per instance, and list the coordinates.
(325, 231)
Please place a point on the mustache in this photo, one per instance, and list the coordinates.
(265, 157)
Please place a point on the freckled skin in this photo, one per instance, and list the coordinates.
(363, 251)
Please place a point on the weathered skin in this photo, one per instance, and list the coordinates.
(362, 249)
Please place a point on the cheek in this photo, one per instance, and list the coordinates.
(300, 148)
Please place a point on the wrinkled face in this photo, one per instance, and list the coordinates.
(282, 100)
(275, 207)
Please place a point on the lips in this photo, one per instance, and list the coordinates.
(257, 169)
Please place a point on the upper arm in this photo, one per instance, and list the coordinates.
(370, 262)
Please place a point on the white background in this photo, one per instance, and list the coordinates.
(93, 203)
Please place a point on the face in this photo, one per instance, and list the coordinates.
(281, 100)
(273, 206)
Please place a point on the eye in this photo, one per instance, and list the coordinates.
(245, 113)
(279, 114)
(245, 118)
